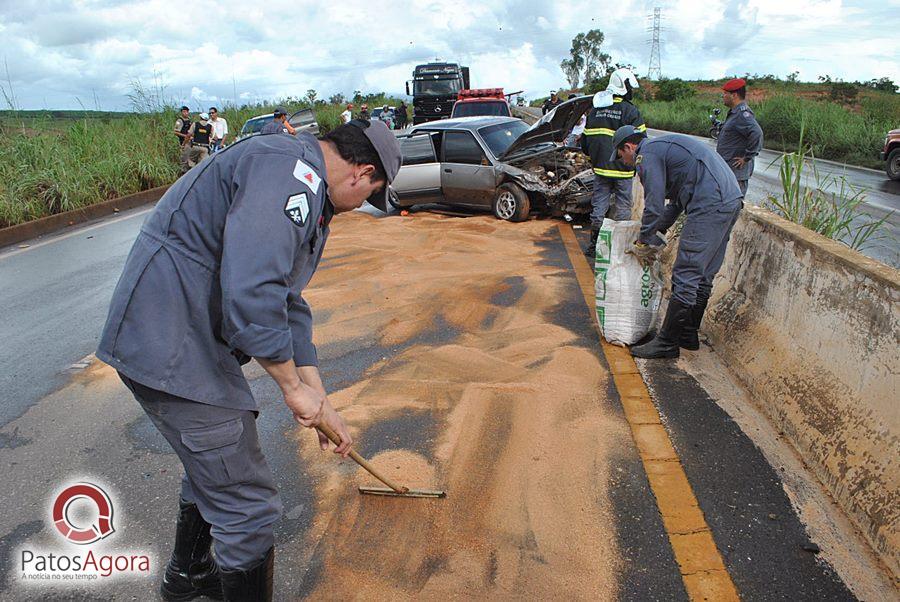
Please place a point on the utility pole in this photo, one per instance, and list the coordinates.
(654, 71)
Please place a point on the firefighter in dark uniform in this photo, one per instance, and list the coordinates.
(551, 103)
(215, 278)
(201, 134)
(741, 138)
(182, 128)
(612, 109)
(698, 183)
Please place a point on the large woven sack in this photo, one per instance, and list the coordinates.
(627, 294)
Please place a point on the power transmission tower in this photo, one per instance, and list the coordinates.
(654, 71)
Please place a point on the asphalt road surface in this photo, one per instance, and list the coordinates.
(463, 356)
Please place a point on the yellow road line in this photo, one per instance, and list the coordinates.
(702, 568)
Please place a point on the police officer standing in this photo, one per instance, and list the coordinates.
(215, 278)
(200, 135)
(182, 128)
(279, 125)
(551, 103)
(741, 138)
(612, 109)
(698, 183)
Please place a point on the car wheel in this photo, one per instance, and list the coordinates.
(511, 203)
(395, 204)
(893, 164)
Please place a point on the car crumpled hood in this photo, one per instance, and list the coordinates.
(552, 127)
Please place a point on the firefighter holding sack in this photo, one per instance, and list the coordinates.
(612, 179)
(698, 183)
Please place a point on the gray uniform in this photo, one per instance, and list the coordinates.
(697, 182)
(742, 137)
(215, 278)
(274, 127)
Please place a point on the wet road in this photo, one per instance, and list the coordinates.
(882, 196)
(463, 356)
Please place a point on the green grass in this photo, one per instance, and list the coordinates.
(833, 131)
(55, 161)
(825, 204)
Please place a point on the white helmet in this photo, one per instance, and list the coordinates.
(617, 81)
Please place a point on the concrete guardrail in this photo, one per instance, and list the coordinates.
(812, 329)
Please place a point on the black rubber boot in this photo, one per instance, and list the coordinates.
(253, 585)
(191, 571)
(665, 344)
(591, 251)
(690, 338)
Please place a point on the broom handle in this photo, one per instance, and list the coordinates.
(326, 430)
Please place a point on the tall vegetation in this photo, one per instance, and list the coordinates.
(52, 162)
(850, 134)
(826, 204)
(587, 61)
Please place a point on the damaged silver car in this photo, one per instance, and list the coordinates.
(497, 163)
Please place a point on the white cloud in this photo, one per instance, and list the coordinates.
(59, 51)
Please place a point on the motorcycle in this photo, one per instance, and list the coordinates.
(716, 126)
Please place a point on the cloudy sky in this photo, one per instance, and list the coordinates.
(74, 53)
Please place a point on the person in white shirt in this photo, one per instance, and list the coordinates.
(347, 115)
(220, 130)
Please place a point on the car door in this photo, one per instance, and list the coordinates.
(467, 176)
(419, 178)
(304, 120)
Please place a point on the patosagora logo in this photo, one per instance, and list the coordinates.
(91, 533)
(82, 516)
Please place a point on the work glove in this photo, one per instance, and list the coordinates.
(646, 254)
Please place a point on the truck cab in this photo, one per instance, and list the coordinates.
(435, 87)
(478, 102)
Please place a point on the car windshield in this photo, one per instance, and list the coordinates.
(436, 87)
(254, 125)
(471, 109)
(499, 137)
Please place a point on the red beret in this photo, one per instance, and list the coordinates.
(734, 84)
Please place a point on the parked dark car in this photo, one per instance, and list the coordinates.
(497, 163)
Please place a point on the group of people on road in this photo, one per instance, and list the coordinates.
(198, 139)
(679, 175)
(393, 118)
(216, 277)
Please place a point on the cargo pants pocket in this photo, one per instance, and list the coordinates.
(216, 455)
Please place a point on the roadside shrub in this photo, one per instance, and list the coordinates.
(668, 90)
(844, 92)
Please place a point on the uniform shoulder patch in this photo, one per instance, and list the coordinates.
(296, 208)
(307, 175)
(638, 159)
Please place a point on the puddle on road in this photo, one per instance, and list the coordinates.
(518, 436)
